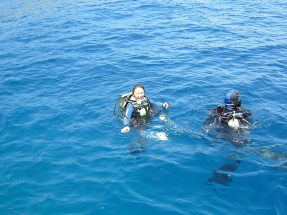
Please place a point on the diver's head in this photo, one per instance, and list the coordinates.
(138, 92)
(232, 100)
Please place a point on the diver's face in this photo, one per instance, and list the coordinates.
(139, 93)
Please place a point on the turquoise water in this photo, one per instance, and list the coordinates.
(63, 66)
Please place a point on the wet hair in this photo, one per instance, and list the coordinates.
(138, 86)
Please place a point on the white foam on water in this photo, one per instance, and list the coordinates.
(157, 135)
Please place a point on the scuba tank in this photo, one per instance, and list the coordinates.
(120, 105)
(124, 100)
(234, 122)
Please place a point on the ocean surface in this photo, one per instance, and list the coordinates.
(63, 66)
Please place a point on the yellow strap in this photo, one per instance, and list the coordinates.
(245, 120)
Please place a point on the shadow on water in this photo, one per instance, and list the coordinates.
(138, 147)
(223, 174)
(266, 153)
(238, 138)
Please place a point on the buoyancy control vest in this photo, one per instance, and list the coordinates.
(232, 117)
(141, 108)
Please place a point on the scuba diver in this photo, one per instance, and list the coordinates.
(228, 122)
(136, 107)
(232, 114)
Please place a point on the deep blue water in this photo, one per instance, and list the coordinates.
(65, 63)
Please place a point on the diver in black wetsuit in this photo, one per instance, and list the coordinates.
(232, 114)
(231, 122)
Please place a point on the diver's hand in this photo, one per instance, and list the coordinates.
(165, 105)
(125, 129)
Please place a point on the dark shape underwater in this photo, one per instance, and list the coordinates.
(138, 146)
(222, 175)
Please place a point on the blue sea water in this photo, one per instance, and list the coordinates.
(65, 63)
